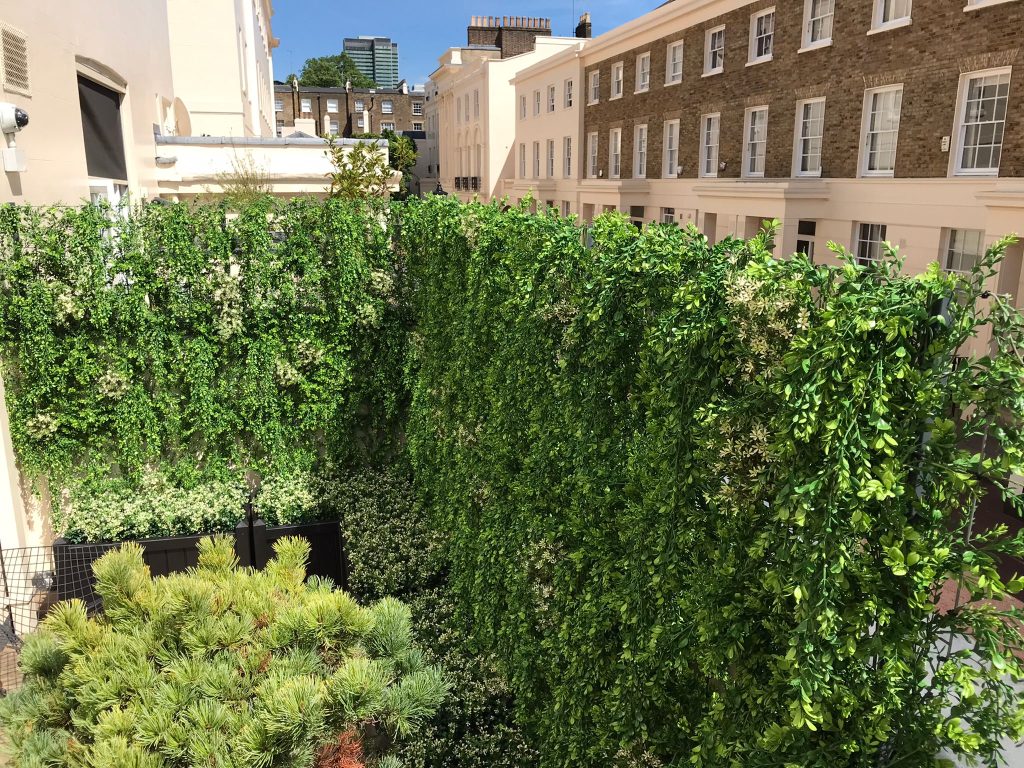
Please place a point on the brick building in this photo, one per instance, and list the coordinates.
(857, 121)
(349, 112)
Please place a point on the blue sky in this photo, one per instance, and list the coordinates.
(423, 30)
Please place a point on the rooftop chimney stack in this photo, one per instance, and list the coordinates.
(585, 29)
(512, 35)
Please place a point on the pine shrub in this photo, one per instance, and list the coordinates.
(221, 666)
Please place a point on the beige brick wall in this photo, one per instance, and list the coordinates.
(920, 56)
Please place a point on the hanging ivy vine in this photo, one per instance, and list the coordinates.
(197, 344)
(702, 502)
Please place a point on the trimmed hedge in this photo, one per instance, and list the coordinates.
(394, 551)
(700, 501)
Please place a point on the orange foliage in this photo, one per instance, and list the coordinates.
(346, 752)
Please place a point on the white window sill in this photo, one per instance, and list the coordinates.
(615, 98)
(984, 4)
(713, 72)
(592, 103)
(898, 24)
(671, 176)
(708, 176)
(816, 46)
(642, 90)
(807, 174)
(970, 173)
(878, 174)
(673, 82)
(762, 60)
(753, 176)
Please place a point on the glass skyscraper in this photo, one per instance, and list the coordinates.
(375, 57)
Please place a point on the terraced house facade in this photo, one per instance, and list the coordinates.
(848, 120)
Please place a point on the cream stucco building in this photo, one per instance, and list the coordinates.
(548, 122)
(475, 107)
(108, 103)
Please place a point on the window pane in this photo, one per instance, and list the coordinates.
(822, 12)
(983, 120)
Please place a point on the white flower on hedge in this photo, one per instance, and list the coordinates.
(381, 282)
(41, 426)
(113, 385)
(286, 373)
(367, 316)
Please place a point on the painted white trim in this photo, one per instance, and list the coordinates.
(744, 172)
(752, 57)
(798, 137)
(865, 124)
(957, 144)
(984, 4)
(708, 34)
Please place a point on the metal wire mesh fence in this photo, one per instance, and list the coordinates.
(30, 579)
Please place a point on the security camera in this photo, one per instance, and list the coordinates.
(12, 118)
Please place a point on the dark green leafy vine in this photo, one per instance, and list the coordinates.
(689, 498)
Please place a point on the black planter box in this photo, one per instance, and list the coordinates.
(254, 542)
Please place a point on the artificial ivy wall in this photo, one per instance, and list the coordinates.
(702, 501)
(193, 343)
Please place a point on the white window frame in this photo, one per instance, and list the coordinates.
(567, 156)
(960, 127)
(752, 57)
(709, 52)
(615, 153)
(592, 150)
(522, 160)
(670, 167)
(671, 76)
(751, 142)
(618, 80)
(866, 133)
(417, 109)
(809, 42)
(951, 249)
(387, 107)
(306, 106)
(536, 159)
(551, 159)
(799, 138)
(536, 102)
(643, 73)
(476, 104)
(640, 149)
(594, 87)
(552, 95)
(862, 243)
(387, 125)
(417, 125)
(360, 105)
(522, 107)
(569, 95)
(332, 106)
(880, 24)
(973, 5)
(335, 127)
(706, 156)
(279, 105)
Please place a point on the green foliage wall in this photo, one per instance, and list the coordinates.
(687, 499)
(395, 551)
(188, 341)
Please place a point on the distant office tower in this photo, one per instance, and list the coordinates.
(376, 57)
